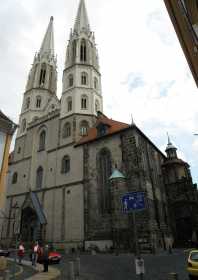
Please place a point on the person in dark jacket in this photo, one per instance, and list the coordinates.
(45, 258)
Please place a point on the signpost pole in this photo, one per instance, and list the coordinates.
(135, 235)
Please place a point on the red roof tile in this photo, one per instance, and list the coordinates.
(113, 127)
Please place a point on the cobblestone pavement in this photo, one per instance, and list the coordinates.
(121, 267)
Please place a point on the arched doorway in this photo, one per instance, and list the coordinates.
(30, 226)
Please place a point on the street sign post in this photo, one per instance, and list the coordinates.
(139, 267)
(131, 203)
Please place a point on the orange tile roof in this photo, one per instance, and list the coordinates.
(113, 127)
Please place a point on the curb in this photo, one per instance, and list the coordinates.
(52, 273)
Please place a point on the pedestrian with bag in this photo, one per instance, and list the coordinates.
(21, 252)
(35, 252)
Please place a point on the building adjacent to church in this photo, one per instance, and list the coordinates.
(184, 17)
(71, 163)
(7, 129)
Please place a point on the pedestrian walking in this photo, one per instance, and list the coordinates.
(35, 252)
(45, 258)
(21, 252)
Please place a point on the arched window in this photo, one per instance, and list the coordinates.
(42, 139)
(65, 166)
(14, 178)
(97, 106)
(38, 101)
(104, 172)
(70, 80)
(84, 126)
(42, 75)
(69, 104)
(95, 83)
(74, 51)
(84, 102)
(27, 105)
(39, 177)
(84, 78)
(66, 130)
(83, 51)
(23, 125)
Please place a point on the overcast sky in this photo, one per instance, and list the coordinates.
(144, 71)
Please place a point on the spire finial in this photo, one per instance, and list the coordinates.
(169, 142)
(82, 21)
(132, 120)
(48, 41)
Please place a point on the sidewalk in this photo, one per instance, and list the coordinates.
(53, 273)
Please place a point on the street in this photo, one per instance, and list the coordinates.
(107, 266)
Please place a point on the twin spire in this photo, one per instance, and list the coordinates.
(47, 46)
(81, 23)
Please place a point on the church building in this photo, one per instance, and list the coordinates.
(72, 164)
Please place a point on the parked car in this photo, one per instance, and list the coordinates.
(4, 253)
(192, 264)
(54, 257)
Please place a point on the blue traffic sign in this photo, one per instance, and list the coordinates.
(133, 201)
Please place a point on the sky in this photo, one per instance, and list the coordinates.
(144, 71)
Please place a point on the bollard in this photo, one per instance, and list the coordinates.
(77, 266)
(173, 276)
(71, 271)
(7, 275)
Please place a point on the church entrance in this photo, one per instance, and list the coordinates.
(30, 226)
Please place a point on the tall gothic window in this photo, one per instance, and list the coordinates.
(27, 105)
(42, 139)
(95, 83)
(84, 126)
(39, 177)
(66, 130)
(84, 102)
(69, 104)
(42, 75)
(65, 166)
(83, 51)
(23, 125)
(70, 80)
(14, 178)
(84, 78)
(104, 172)
(74, 51)
(97, 106)
(38, 101)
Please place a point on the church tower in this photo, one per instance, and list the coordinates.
(81, 96)
(42, 82)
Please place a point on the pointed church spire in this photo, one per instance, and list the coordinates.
(48, 41)
(82, 21)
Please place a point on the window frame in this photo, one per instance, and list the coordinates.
(65, 164)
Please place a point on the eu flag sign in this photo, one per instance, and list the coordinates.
(133, 201)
